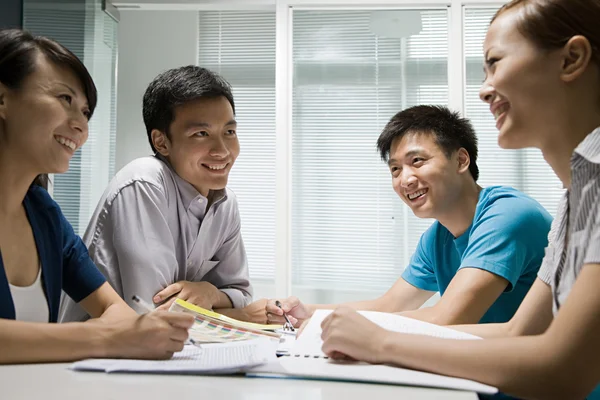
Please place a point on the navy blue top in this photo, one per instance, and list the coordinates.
(64, 258)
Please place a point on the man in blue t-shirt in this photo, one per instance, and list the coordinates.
(483, 251)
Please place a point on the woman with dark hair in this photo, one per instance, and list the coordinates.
(542, 64)
(46, 99)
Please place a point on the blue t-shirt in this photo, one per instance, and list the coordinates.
(507, 237)
(64, 258)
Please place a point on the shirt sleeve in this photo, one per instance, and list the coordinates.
(231, 275)
(80, 275)
(420, 272)
(508, 238)
(144, 258)
(547, 270)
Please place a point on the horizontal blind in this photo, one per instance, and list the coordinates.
(66, 26)
(350, 231)
(525, 170)
(240, 45)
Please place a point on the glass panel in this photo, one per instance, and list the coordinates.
(82, 27)
(353, 70)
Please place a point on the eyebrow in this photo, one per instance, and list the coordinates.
(199, 124)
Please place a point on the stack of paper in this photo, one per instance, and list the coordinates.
(209, 358)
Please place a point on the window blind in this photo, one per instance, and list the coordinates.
(525, 169)
(350, 231)
(240, 45)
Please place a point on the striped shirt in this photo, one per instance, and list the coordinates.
(575, 235)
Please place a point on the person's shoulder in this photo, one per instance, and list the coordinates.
(149, 171)
(40, 199)
(512, 205)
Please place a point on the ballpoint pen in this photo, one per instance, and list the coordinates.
(148, 308)
(145, 306)
(288, 325)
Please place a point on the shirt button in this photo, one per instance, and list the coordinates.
(189, 263)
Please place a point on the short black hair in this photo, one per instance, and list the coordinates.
(18, 52)
(176, 87)
(451, 132)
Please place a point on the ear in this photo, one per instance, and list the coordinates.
(161, 142)
(464, 161)
(3, 100)
(576, 55)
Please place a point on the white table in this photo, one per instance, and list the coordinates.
(56, 382)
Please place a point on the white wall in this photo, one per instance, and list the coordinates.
(150, 42)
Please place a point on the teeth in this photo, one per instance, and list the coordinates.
(414, 195)
(217, 167)
(500, 110)
(66, 142)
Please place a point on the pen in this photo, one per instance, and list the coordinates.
(287, 320)
(145, 306)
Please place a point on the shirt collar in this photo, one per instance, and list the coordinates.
(589, 148)
(188, 192)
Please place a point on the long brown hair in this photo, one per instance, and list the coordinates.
(551, 23)
(18, 49)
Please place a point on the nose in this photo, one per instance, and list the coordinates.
(407, 178)
(487, 92)
(79, 123)
(219, 148)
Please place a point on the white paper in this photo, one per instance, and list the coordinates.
(209, 358)
(309, 343)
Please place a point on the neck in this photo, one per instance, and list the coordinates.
(14, 183)
(459, 216)
(560, 147)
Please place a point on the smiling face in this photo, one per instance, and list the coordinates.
(45, 120)
(424, 177)
(202, 144)
(522, 85)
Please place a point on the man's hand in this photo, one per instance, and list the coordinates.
(156, 335)
(348, 335)
(202, 294)
(295, 310)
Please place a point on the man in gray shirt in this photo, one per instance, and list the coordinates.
(167, 226)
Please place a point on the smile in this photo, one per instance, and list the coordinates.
(66, 142)
(500, 110)
(416, 195)
(215, 167)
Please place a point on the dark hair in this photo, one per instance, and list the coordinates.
(451, 132)
(176, 87)
(550, 24)
(18, 51)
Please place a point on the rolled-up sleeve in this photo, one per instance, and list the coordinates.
(144, 251)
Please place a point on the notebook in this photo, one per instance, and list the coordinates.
(222, 358)
(307, 360)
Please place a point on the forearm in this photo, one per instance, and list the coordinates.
(522, 366)
(27, 342)
(486, 331)
(439, 316)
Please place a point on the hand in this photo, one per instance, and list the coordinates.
(295, 310)
(347, 334)
(156, 335)
(255, 312)
(202, 294)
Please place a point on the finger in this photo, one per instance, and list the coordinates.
(179, 334)
(176, 319)
(167, 292)
(167, 304)
(290, 303)
(273, 309)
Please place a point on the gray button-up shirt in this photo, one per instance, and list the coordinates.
(575, 235)
(151, 229)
